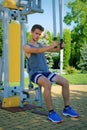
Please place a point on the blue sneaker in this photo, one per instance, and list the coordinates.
(70, 112)
(54, 117)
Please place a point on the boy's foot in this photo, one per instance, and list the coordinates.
(70, 112)
(54, 117)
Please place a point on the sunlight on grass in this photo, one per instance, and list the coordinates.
(77, 78)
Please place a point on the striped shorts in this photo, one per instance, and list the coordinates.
(35, 76)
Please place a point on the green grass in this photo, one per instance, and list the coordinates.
(76, 78)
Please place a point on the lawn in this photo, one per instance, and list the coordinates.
(76, 78)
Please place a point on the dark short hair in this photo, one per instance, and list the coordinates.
(37, 26)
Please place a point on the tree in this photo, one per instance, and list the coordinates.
(67, 49)
(83, 64)
(28, 36)
(77, 15)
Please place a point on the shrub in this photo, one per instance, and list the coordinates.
(70, 69)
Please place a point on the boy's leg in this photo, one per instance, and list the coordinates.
(52, 116)
(65, 87)
(68, 111)
(46, 84)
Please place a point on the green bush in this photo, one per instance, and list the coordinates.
(70, 69)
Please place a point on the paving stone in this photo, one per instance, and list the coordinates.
(26, 120)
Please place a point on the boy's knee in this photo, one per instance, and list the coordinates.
(47, 83)
(66, 83)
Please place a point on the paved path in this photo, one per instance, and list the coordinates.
(29, 121)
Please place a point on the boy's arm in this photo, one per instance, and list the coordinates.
(58, 47)
(29, 50)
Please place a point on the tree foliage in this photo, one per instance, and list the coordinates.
(67, 49)
(83, 64)
(28, 36)
(77, 15)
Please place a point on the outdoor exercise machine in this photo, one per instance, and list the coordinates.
(13, 55)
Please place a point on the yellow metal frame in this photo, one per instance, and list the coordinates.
(11, 102)
(11, 4)
(14, 52)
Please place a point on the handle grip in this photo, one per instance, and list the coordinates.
(61, 42)
(55, 39)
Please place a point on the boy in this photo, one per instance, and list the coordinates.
(40, 74)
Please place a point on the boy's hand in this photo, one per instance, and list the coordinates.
(62, 45)
(55, 44)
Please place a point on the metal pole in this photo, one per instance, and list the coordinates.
(54, 20)
(5, 26)
(61, 3)
(23, 41)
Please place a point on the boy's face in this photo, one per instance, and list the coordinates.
(36, 34)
